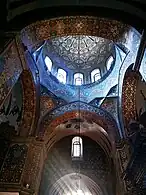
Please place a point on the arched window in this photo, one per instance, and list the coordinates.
(78, 79)
(95, 75)
(109, 62)
(48, 63)
(77, 147)
(61, 75)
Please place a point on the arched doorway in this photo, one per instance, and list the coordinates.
(64, 175)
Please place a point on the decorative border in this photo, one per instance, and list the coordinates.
(29, 104)
(72, 25)
(76, 110)
(129, 97)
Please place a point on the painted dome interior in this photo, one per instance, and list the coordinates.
(79, 67)
(80, 52)
(79, 59)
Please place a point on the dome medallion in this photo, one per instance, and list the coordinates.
(81, 52)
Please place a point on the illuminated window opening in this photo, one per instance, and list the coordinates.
(48, 63)
(61, 75)
(95, 75)
(109, 62)
(78, 79)
(77, 147)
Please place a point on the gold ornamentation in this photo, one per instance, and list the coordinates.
(129, 97)
(72, 25)
(47, 126)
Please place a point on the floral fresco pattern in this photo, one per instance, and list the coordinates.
(129, 97)
(10, 70)
(73, 25)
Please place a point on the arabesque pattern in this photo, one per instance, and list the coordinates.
(72, 25)
(78, 110)
(129, 97)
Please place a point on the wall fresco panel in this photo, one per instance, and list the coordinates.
(13, 164)
(129, 98)
(10, 70)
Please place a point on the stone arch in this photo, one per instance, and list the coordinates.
(40, 31)
(63, 171)
(106, 127)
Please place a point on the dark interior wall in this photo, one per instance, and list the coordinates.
(4, 145)
(10, 117)
(27, 13)
(12, 108)
(141, 97)
(93, 165)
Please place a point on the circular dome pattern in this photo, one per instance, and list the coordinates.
(82, 52)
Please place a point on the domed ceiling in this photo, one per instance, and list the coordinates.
(82, 52)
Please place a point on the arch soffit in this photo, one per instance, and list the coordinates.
(101, 139)
(96, 136)
(47, 127)
(78, 110)
(43, 30)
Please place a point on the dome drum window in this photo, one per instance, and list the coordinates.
(109, 62)
(78, 79)
(61, 75)
(95, 75)
(48, 63)
(78, 60)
